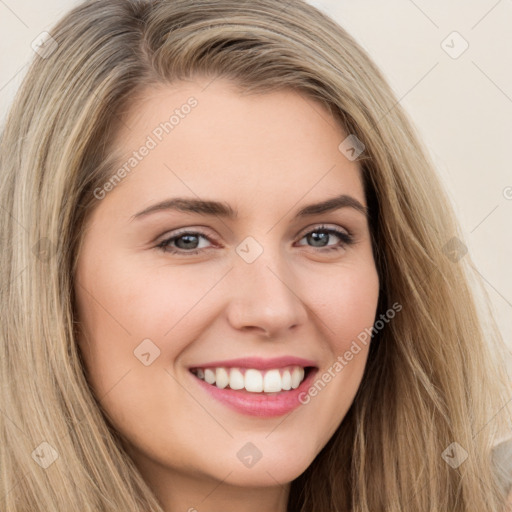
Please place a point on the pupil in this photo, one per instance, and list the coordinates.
(188, 239)
(319, 236)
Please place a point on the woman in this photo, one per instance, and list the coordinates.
(264, 367)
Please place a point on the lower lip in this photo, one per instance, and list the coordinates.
(259, 404)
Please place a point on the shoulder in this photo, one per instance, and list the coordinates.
(502, 461)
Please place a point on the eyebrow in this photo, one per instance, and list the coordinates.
(222, 209)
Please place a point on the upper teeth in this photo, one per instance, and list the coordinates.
(255, 381)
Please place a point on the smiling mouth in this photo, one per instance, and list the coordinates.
(251, 380)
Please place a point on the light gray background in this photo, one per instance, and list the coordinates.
(461, 106)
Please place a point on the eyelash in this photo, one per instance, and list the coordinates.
(346, 239)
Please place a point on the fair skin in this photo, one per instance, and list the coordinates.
(267, 156)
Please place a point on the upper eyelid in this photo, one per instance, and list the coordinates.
(322, 226)
(199, 231)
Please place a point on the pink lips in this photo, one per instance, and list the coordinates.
(258, 363)
(263, 405)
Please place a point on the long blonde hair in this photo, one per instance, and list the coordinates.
(433, 377)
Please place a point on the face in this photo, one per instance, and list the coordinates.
(167, 296)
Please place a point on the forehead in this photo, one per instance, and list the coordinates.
(207, 138)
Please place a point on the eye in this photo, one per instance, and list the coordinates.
(320, 235)
(188, 242)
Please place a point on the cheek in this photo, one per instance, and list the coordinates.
(106, 303)
(346, 303)
(120, 304)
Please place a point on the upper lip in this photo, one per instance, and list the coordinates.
(258, 363)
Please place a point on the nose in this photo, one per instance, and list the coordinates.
(266, 298)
